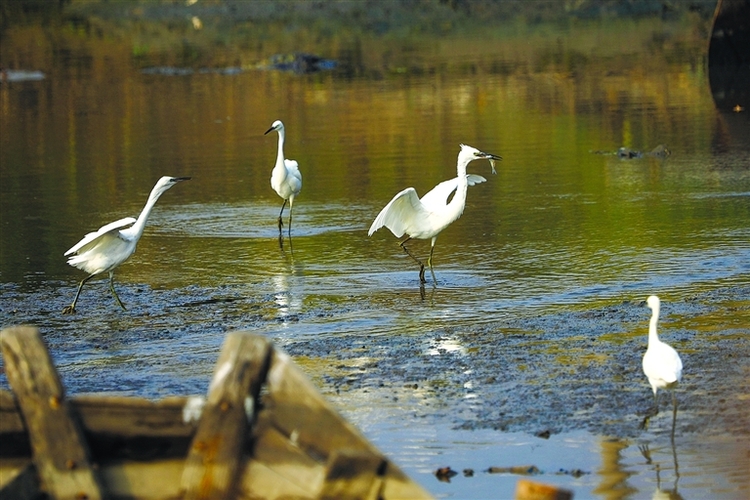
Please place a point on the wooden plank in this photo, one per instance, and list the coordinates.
(18, 480)
(215, 456)
(125, 416)
(303, 415)
(152, 480)
(10, 414)
(137, 417)
(60, 452)
(13, 436)
(286, 460)
(353, 475)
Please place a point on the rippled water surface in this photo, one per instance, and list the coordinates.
(536, 322)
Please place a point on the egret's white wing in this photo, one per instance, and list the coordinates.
(294, 176)
(438, 196)
(105, 229)
(475, 179)
(399, 213)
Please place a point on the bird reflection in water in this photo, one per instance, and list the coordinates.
(661, 493)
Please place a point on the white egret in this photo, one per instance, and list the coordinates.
(103, 250)
(286, 178)
(425, 218)
(661, 363)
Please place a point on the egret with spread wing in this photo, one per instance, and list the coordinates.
(425, 218)
(661, 363)
(103, 250)
(286, 178)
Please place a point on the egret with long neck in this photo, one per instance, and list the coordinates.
(286, 178)
(424, 218)
(661, 363)
(103, 250)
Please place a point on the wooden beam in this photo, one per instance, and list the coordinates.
(298, 410)
(215, 457)
(19, 482)
(60, 452)
(353, 475)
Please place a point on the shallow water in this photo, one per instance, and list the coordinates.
(536, 323)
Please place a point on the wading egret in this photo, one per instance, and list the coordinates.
(102, 251)
(424, 218)
(661, 363)
(286, 178)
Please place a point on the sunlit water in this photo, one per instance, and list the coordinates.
(561, 227)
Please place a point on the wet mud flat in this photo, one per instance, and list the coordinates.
(530, 371)
(557, 372)
(534, 386)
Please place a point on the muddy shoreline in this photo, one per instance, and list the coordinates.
(533, 372)
(551, 373)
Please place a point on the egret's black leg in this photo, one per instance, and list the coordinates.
(112, 287)
(674, 414)
(71, 309)
(421, 265)
(290, 220)
(281, 222)
(429, 263)
(651, 413)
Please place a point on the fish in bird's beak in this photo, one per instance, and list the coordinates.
(492, 158)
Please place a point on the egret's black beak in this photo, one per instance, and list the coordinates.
(492, 158)
(269, 130)
(178, 179)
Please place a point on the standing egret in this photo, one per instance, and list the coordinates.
(661, 363)
(286, 178)
(114, 243)
(424, 218)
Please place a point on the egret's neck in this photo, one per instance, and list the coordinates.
(140, 223)
(280, 153)
(461, 168)
(653, 338)
(458, 202)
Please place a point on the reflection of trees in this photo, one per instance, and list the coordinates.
(396, 121)
(613, 474)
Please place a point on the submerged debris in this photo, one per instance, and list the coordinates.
(660, 151)
(525, 470)
(297, 62)
(445, 474)
(20, 75)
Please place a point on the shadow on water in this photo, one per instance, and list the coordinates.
(528, 350)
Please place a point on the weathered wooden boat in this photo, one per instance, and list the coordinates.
(263, 431)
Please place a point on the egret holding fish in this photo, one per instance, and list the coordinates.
(424, 218)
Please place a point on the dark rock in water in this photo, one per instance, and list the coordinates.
(627, 153)
(297, 62)
(659, 151)
(445, 474)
